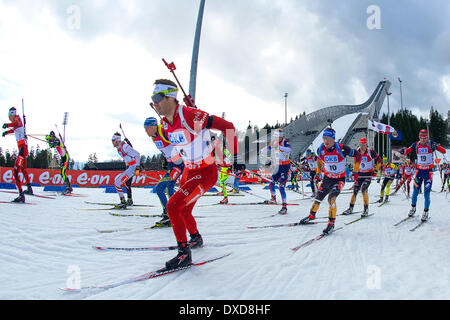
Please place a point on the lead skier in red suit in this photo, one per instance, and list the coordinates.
(188, 130)
(16, 127)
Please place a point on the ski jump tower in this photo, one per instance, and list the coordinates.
(302, 132)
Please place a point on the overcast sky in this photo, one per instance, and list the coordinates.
(98, 59)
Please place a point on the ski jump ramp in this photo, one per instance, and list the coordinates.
(302, 132)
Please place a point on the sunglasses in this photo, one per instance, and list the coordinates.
(157, 97)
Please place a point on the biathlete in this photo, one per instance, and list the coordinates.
(331, 160)
(188, 130)
(16, 126)
(364, 169)
(424, 149)
(175, 166)
(54, 142)
(388, 173)
(224, 167)
(280, 150)
(446, 178)
(406, 170)
(132, 160)
(311, 166)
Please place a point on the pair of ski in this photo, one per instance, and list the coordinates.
(294, 224)
(143, 277)
(163, 248)
(323, 235)
(248, 204)
(33, 195)
(128, 229)
(12, 202)
(421, 223)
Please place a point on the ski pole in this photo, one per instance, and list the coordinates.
(187, 98)
(36, 138)
(24, 121)
(126, 139)
(65, 148)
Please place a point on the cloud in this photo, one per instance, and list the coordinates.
(251, 53)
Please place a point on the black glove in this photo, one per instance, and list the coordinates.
(402, 151)
(237, 166)
(5, 125)
(164, 163)
(268, 164)
(4, 133)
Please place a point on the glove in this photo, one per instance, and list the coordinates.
(237, 166)
(5, 125)
(137, 171)
(268, 164)
(164, 163)
(4, 133)
(316, 179)
(402, 151)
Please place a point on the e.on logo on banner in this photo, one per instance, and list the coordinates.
(78, 177)
(95, 178)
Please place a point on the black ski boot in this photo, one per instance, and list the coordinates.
(273, 200)
(121, 205)
(164, 222)
(348, 211)
(425, 216)
(283, 210)
(68, 190)
(183, 258)
(29, 190)
(308, 219)
(130, 202)
(412, 212)
(330, 227)
(365, 212)
(20, 198)
(224, 200)
(196, 241)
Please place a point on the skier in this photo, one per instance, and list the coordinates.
(446, 172)
(225, 168)
(406, 172)
(331, 159)
(188, 130)
(363, 167)
(294, 177)
(424, 149)
(175, 166)
(54, 142)
(280, 150)
(388, 173)
(238, 175)
(18, 129)
(311, 165)
(132, 160)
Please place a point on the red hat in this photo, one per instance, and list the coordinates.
(423, 133)
(363, 141)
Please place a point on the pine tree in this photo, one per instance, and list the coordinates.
(2, 158)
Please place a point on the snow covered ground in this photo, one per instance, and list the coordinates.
(49, 245)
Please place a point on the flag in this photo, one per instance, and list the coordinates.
(396, 135)
(381, 128)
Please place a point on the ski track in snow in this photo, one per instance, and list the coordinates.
(370, 259)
